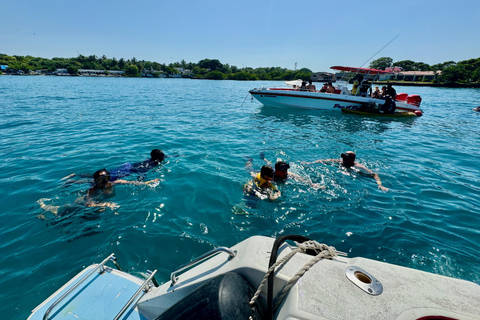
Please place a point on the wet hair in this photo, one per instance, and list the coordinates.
(98, 172)
(266, 171)
(282, 166)
(349, 155)
(157, 155)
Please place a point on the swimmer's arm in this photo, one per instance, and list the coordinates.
(137, 183)
(111, 205)
(379, 182)
(373, 174)
(77, 175)
(322, 161)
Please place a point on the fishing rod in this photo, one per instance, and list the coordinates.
(380, 50)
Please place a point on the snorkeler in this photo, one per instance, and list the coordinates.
(281, 173)
(102, 185)
(262, 186)
(126, 169)
(348, 161)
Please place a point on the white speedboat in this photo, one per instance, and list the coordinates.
(305, 281)
(343, 98)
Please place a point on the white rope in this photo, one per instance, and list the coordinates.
(323, 251)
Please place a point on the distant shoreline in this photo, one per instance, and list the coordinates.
(379, 83)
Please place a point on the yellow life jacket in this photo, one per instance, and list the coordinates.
(263, 183)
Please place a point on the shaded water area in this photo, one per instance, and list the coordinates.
(51, 127)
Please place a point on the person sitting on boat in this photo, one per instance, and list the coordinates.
(383, 92)
(311, 86)
(376, 93)
(364, 86)
(390, 92)
(389, 106)
(324, 88)
(303, 87)
(330, 88)
(348, 161)
(262, 186)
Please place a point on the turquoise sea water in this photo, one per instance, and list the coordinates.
(53, 126)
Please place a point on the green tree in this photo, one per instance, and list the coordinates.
(72, 70)
(381, 63)
(454, 74)
(406, 65)
(216, 75)
(132, 71)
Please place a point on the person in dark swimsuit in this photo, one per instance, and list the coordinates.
(127, 169)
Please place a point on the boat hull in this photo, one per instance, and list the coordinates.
(388, 115)
(320, 101)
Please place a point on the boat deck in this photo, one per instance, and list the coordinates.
(101, 296)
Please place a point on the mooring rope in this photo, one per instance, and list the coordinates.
(323, 252)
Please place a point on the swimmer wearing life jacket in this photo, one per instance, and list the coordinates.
(262, 186)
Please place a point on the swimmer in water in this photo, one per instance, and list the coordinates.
(281, 174)
(348, 161)
(262, 186)
(127, 169)
(102, 185)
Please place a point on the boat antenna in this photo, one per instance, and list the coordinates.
(380, 50)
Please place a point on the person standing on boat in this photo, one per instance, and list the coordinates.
(311, 86)
(348, 161)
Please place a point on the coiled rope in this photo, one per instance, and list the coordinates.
(323, 252)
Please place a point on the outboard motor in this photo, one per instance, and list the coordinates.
(414, 99)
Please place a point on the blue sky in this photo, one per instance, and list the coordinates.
(314, 34)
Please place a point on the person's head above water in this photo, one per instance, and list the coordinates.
(101, 177)
(157, 155)
(267, 172)
(348, 158)
(281, 169)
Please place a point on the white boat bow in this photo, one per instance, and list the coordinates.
(221, 285)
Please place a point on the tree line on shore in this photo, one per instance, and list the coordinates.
(467, 71)
(462, 72)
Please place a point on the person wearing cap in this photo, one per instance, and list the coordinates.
(262, 186)
(281, 174)
(324, 88)
(348, 161)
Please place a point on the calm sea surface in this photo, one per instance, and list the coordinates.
(53, 126)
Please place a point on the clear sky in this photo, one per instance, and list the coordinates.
(314, 34)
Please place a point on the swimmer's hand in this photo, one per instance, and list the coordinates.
(111, 205)
(382, 188)
(151, 182)
(272, 196)
(317, 186)
(69, 176)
